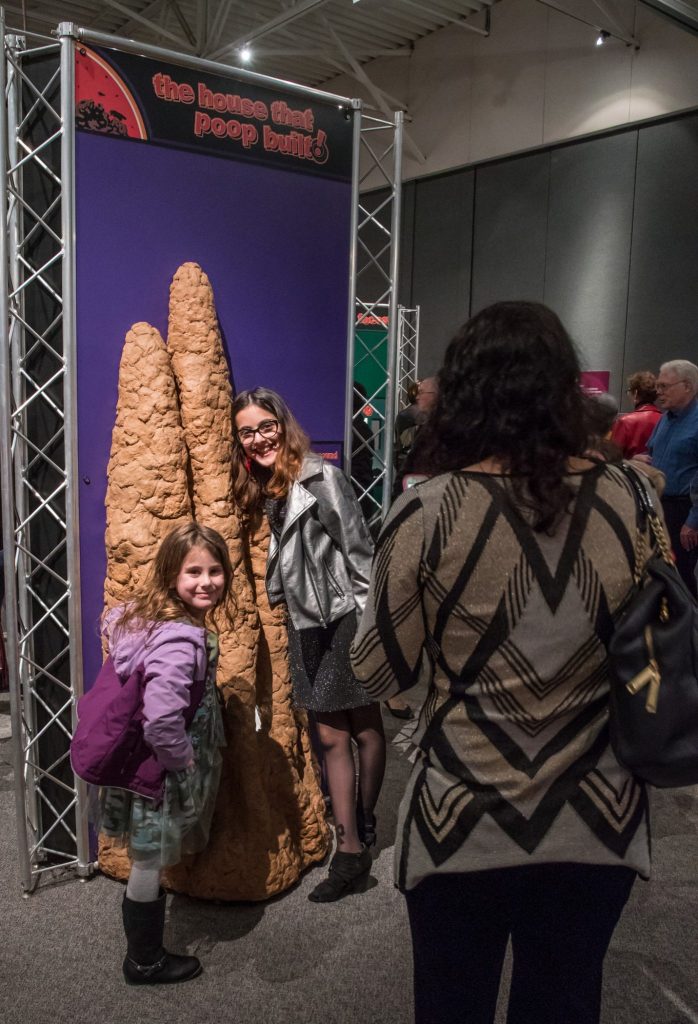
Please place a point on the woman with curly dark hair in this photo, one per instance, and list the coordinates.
(501, 577)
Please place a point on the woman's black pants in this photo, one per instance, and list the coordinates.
(560, 918)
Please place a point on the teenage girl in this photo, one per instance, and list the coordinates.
(319, 562)
(164, 629)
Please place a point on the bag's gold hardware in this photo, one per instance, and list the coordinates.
(650, 676)
(661, 538)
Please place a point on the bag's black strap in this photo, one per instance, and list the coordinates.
(647, 511)
(644, 502)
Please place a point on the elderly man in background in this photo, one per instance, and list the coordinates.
(631, 432)
(673, 448)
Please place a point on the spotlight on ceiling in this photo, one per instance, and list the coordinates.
(602, 37)
(245, 55)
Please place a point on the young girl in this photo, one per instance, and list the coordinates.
(164, 629)
(319, 563)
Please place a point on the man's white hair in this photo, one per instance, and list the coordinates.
(683, 370)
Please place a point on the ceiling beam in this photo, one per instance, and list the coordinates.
(379, 95)
(260, 52)
(611, 20)
(202, 25)
(682, 14)
(184, 24)
(298, 10)
(219, 20)
(442, 16)
(153, 26)
(147, 12)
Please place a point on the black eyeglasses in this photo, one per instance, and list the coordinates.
(268, 429)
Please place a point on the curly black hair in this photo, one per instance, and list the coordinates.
(509, 390)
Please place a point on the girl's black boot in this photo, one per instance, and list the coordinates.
(348, 873)
(147, 961)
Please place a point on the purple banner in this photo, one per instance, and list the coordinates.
(275, 246)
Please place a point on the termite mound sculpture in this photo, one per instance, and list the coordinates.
(171, 461)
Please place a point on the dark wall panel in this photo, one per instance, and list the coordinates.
(663, 298)
(404, 289)
(604, 231)
(511, 200)
(441, 261)
(588, 246)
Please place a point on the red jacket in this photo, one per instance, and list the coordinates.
(631, 432)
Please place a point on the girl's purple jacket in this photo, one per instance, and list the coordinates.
(173, 656)
(132, 724)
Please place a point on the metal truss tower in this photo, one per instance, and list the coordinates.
(377, 232)
(408, 352)
(38, 423)
(38, 447)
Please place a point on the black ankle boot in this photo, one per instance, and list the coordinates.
(147, 962)
(348, 873)
(366, 826)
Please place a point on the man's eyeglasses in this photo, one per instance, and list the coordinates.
(268, 429)
(665, 387)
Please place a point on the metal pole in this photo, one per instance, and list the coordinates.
(351, 311)
(24, 724)
(72, 511)
(408, 351)
(8, 488)
(86, 35)
(416, 340)
(391, 390)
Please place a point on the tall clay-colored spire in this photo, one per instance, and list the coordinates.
(147, 490)
(269, 820)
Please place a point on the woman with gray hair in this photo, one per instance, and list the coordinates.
(673, 448)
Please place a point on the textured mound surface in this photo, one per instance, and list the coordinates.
(205, 395)
(147, 492)
(269, 822)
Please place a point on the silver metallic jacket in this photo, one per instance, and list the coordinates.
(322, 561)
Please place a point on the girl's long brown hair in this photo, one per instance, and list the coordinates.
(157, 599)
(249, 489)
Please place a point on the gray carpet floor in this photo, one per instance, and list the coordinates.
(293, 962)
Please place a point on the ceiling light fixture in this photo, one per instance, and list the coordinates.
(245, 54)
(602, 33)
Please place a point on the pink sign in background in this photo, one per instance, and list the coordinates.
(596, 380)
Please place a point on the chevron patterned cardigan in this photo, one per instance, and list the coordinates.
(514, 764)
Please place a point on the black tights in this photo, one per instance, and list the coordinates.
(336, 730)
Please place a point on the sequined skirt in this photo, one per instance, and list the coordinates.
(320, 671)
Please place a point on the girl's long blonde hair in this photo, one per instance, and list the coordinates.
(248, 490)
(157, 600)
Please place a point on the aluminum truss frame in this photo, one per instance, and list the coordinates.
(376, 260)
(408, 352)
(38, 421)
(38, 448)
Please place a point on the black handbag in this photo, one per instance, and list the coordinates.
(653, 656)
